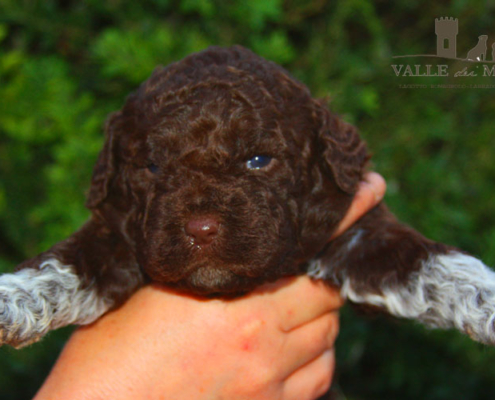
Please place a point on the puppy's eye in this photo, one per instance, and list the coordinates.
(258, 162)
(153, 168)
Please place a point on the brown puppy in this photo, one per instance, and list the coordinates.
(221, 172)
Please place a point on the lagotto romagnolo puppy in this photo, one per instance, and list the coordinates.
(219, 173)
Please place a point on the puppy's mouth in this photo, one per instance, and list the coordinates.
(217, 281)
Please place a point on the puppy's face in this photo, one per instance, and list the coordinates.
(220, 185)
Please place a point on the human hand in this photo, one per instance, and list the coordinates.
(274, 343)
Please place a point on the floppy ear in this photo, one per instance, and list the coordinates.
(105, 167)
(344, 152)
(337, 163)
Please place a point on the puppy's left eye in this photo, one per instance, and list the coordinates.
(153, 168)
(258, 162)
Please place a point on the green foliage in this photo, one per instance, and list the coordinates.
(65, 65)
(132, 54)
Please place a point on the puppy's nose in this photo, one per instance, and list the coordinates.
(202, 231)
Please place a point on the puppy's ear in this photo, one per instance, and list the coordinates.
(382, 263)
(74, 282)
(344, 153)
(105, 167)
(337, 164)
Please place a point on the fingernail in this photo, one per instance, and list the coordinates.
(376, 183)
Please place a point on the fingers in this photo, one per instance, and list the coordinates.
(369, 194)
(309, 341)
(300, 300)
(311, 381)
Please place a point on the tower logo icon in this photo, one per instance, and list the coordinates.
(446, 30)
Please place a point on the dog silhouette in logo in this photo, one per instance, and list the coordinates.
(478, 52)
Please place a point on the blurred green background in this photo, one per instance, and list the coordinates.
(64, 65)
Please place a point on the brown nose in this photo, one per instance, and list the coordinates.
(202, 231)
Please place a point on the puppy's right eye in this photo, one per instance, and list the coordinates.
(258, 162)
(153, 168)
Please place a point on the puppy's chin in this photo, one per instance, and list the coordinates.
(212, 281)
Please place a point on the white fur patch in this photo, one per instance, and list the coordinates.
(452, 290)
(355, 239)
(316, 270)
(33, 302)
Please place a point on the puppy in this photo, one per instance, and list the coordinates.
(220, 173)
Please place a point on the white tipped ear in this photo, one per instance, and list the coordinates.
(453, 290)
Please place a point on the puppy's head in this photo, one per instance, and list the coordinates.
(221, 172)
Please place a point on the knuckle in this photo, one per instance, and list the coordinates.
(323, 380)
(333, 328)
(264, 372)
(327, 331)
(322, 387)
(250, 333)
(258, 382)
